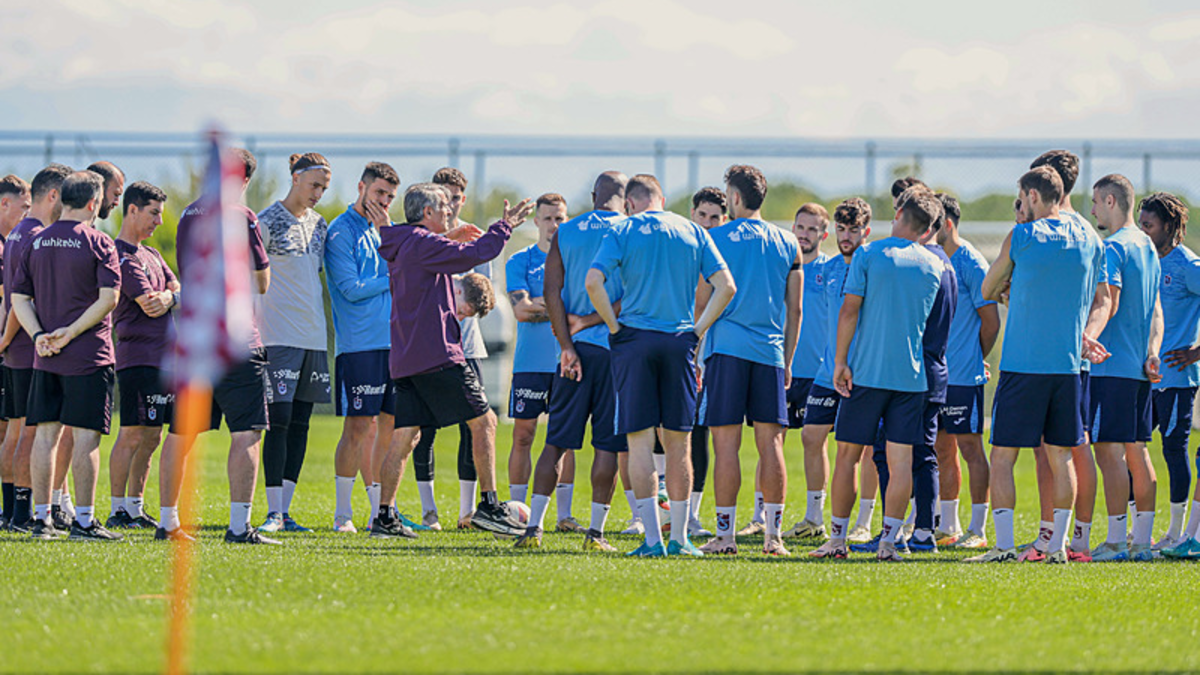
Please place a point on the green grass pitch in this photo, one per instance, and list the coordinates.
(467, 602)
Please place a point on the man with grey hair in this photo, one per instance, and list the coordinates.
(71, 270)
(434, 385)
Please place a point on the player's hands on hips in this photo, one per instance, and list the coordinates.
(574, 323)
(1182, 358)
(1151, 368)
(613, 328)
(843, 379)
(515, 215)
(1094, 351)
(568, 364)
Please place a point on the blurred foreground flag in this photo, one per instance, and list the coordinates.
(214, 323)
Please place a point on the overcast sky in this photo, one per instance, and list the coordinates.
(931, 69)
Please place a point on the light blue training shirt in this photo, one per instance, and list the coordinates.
(537, 350)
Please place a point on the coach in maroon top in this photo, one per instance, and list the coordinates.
(71, 271)
(240, 397)
(434, 386)
(144, 328)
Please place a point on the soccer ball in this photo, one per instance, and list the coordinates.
(522, 511)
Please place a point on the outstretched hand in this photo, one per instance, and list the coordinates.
(515, 215)
(464, 234)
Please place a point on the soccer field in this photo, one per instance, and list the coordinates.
(466, 602)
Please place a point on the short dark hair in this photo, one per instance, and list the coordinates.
(1064, 163)
(107, 170)
(643, 186)
(902, 184)
(13, 185)
(49, 178)
(81, 187)
(1118, 186)
(379, 171)
(950, 207)
(142, 193)
(853, 211)
(249, 164)
(922, 209)
(710, 195)
(1045, 181)
(1171, 211)
(301, 161)
(550, 199)
(750, 183)
(450, 176)
(814, 209)
(477, 290)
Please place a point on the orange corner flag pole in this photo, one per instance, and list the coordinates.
(193, 410)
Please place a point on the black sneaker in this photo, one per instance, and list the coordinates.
(41, 529)
(59, 518)
(119, 521)
(20, 528)
(177, 534)
(96, 532)
(392, 529)
(145, 522)
(250, 536)
(498, 519)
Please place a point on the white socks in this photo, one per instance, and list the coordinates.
(866, 510)
(838, 531)
(891, 528)
(648, 510)
(1178, 511)
(425, 489)
(289, 491)
(133, 506)
(726, 521)
(774, 513)
(168, 517)
(1082, 540)
(679, 518)
(814, 506)
(274, 500)
(373, 494)
(41, 512)
(118, 504)
(660, 465)
(1193, 521)
(466, 498)
(1045, 532)
(344, 490)
(633, 504)
(1062, 521)
(83, 516)
(564, 493)
(694, 505)
(537, 510)
(518, 493)
(1005, 538)
(1143, 527)
(912, 512)
(599, 516)
(978, 518)
(239, 517)
(1117, 529)
(950, 515)
(758, 516)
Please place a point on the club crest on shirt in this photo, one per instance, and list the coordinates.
(1166, 279)
(820, 279)
(646, 229)
(735, 236)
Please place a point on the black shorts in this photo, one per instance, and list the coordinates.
(81, 401)
(440, 398)
(16, 392)
(364, 388)
(298, 375)
(3, 394)
(240, 397)
(145, 399)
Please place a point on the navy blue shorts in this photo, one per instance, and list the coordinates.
(1085, 398)
(364, 384)
(797, 399)
(1028, 408)
(1120, 410)
(1172, 414)
(859, 416)
(962, 413)
(737, 390)
(573, 403)
(821, 407)
(529, 395)
(655, 378)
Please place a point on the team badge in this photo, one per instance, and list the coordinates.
(820, 278)
(1166, 279)
(358, 403)
(722, 521)
(282, 388)
(152, 414)
(520, 405)
(645, 229)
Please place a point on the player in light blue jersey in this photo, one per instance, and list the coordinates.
(973, 333)
(1120, 386)
(852, 226)
(583, 385)
(659, 256)
(879, 365)
(1164, 218)
(535, 358)
(748, 353)
(811, 227)
(1049, 267)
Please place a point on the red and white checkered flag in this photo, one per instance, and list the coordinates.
(215, 320)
